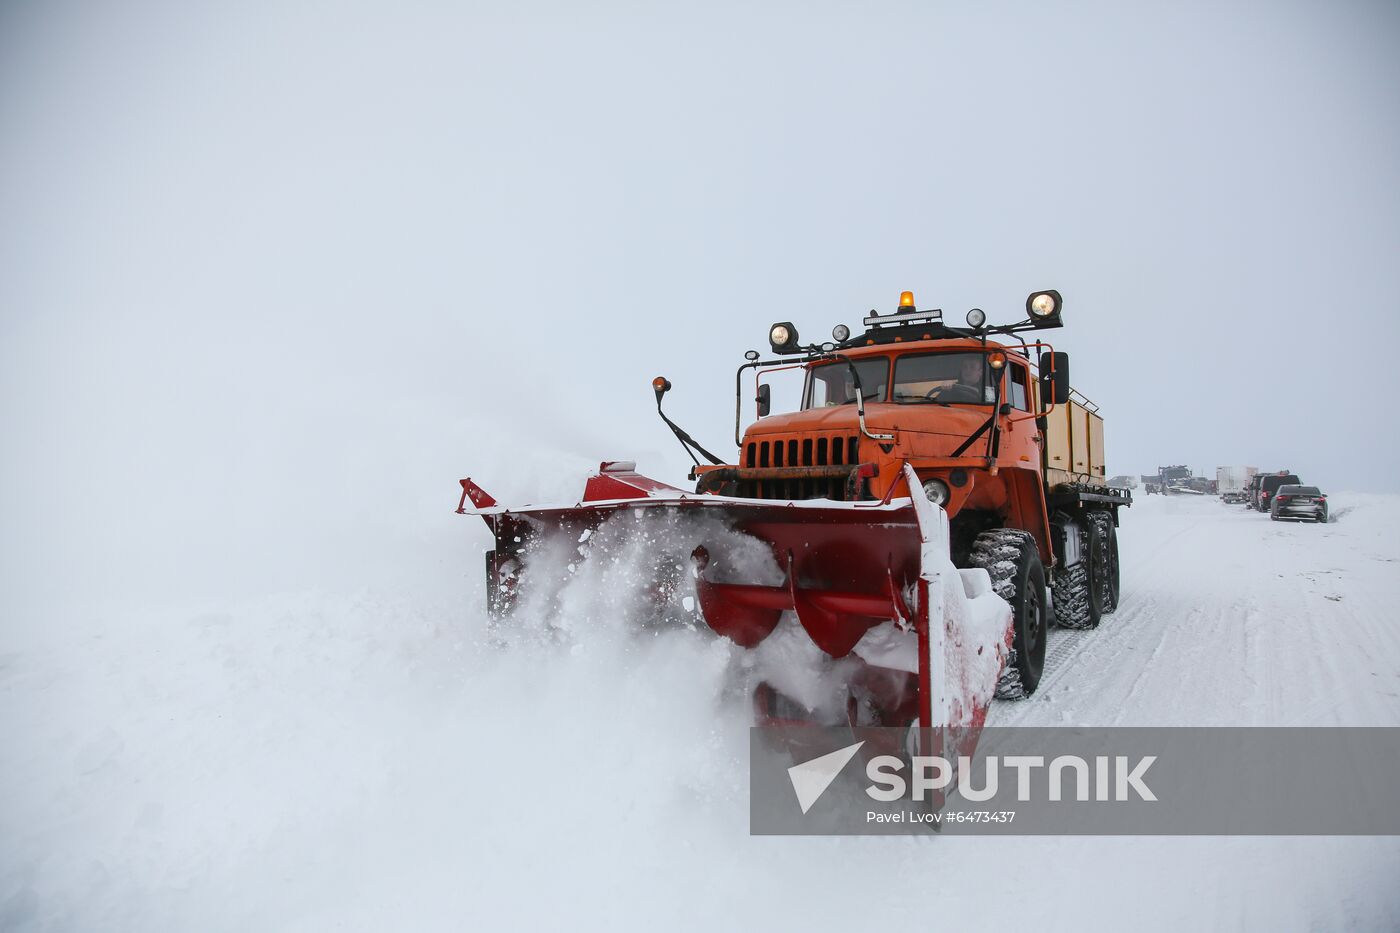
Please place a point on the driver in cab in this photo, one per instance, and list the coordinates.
(971, 383)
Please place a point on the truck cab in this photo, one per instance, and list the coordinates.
(992, 429)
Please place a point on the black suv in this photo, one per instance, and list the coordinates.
(1270, 484)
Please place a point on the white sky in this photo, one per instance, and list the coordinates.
(273, 275)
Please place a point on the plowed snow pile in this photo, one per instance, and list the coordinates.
(366, 762)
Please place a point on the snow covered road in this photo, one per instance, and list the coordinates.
(1228, 618)
(325, 761)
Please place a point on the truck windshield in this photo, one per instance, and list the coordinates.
(947, 378)
(830, 384)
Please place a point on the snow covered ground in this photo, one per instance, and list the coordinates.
(1229, 618)
(367, 761)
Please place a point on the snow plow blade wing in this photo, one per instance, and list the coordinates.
(843, 569)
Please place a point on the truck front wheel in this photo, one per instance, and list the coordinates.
(1010, 557)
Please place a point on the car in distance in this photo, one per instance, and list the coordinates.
(1301, 503)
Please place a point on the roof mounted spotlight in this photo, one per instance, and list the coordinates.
(840, 333)
(1043, 308)
(782, 337)
(976, 318)
(750, 355)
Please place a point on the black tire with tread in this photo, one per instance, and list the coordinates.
(1070, 593)
(1092, 557)
(1104, 541)
(1010, 557)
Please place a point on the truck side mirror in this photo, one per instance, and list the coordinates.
(1054, 377)
(765, 400)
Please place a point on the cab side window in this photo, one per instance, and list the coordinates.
(1016, 379)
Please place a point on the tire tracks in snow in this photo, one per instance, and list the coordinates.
(1229, 619)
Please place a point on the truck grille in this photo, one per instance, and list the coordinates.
(823, 450)
(805, 451)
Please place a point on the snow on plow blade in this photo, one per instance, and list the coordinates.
(871, 582)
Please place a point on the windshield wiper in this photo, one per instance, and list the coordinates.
(860, 401)
(989, 425)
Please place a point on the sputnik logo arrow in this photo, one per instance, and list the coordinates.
(811, 778)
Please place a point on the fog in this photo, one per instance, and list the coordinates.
(273, 277)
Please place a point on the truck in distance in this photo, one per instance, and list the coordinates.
(1232, 482)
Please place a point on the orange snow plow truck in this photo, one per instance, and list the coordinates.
(907, 535)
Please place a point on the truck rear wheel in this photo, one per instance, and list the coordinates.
(1010, 557)
(1093, 563)
(1101, 554)
(1112, 588)
(1071, 593)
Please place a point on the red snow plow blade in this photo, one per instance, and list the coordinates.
(866, 581)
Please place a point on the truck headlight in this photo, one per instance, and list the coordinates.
(1044, 308)
(783, 337)
(937, 491)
